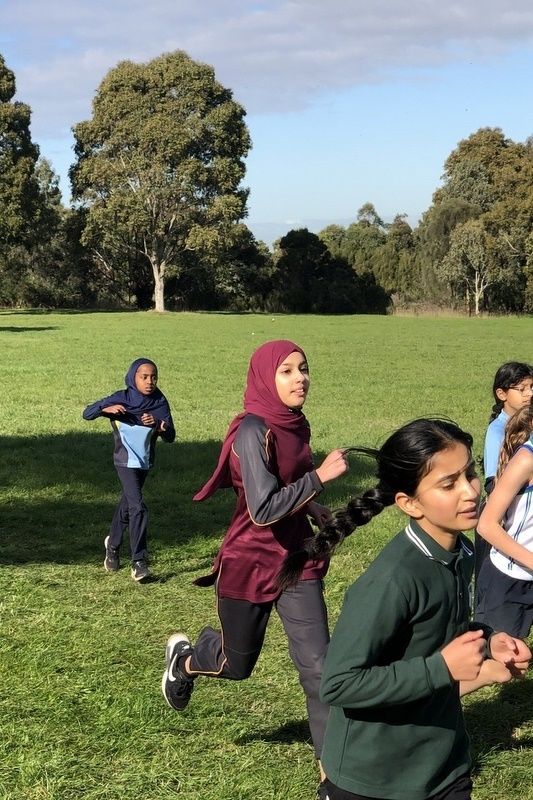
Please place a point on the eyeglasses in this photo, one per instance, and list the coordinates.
(524, 390)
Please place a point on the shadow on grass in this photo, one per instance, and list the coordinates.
(492, 724)
(22, 329)
(294, 731)
(59, 493)
(43, 312)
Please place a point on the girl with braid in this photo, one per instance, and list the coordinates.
(404, 650)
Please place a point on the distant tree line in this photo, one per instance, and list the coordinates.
(158, 206)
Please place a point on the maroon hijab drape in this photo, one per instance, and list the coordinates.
(260, 398)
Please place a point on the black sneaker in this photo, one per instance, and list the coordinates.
(111, 560)
(177, 687)
(321, 792)
(140, 571)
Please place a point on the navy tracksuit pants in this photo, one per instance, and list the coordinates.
(131, 512)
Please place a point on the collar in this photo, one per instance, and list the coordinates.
(432, 549)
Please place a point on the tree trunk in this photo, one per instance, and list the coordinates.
(159, 294)
(478, 292)
(159, 284)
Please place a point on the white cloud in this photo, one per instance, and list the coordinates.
(275, 54)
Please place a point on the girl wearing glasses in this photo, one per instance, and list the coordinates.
(512, 390)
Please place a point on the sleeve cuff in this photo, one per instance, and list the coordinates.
(439, 674)
(318, 486)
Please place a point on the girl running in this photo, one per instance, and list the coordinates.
(403, 650)
(267, 460)
(512, 389)
(505, 584)
(138, 414)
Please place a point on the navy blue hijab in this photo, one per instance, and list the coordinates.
(135, 402)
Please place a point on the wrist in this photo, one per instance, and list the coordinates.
(319, 476)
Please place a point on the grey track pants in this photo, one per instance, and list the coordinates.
(233, 651)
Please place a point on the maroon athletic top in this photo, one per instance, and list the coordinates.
(266, 458)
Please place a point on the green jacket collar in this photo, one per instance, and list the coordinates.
(432, 549)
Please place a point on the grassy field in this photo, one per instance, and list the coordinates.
(82, 651)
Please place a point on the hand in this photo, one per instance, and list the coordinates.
(465, 655)
(333, 465)
(319, 514)
(513, 653)
(117, 410)
(149, 420)
(492, 672)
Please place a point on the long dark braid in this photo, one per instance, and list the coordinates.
(402, 461)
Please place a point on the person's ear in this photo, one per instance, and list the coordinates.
(501, 394)
(408, 505)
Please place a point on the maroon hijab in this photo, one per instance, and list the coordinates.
(260, 398)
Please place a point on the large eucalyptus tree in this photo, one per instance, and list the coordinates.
(160, 164)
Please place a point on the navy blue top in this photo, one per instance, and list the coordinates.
(134, 441)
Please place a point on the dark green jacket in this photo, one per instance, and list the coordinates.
(396, 728)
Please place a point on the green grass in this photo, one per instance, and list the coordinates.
(82, 652)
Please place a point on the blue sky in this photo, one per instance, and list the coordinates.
(347, 102)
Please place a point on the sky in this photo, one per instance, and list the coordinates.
(347, 102)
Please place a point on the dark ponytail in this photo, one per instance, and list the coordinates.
(357, 512)
(402, 461)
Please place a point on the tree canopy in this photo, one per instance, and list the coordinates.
(159, 207)
(19, 191)
(488, 178)
(160, 164)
